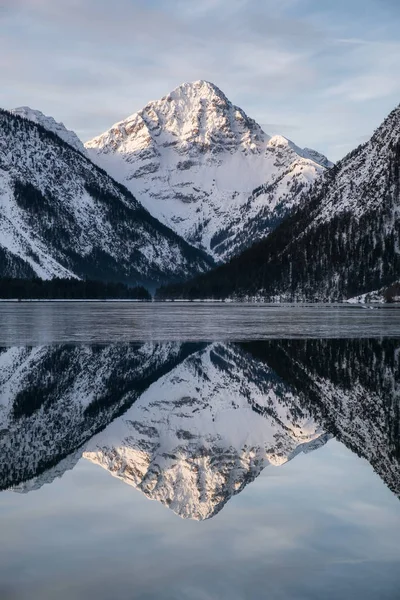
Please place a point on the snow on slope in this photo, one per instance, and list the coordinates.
(375, 297)
(201, 433)
(365, 181)
(36, 116)
(342, 243)
(202, 166)
(60, 215)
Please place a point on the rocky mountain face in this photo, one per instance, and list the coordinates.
(60, 215)
(191, 425)
(342, 242)
(200, 165)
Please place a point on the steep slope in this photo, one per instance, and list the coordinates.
(342, 242)
(203, 167)
(36, 116)
(60, 215)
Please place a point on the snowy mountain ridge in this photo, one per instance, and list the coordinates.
(200, 165)
(341, 243)
(367, 178)
(61, 216)
(49, 123)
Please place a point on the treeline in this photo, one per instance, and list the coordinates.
(331, 261)
(68, 289)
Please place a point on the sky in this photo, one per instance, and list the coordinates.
(324, 74)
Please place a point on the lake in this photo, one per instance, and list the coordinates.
(64, 322)
(199, 451)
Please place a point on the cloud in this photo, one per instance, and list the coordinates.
(291, 61)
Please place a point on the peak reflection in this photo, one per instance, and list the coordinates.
(190, 425)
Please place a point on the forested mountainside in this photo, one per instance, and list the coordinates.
(190, 425)
(62, 216)
(200, 165)
(343, 241)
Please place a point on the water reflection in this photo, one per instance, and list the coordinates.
(190, 425)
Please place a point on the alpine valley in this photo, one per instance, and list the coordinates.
(190, 181)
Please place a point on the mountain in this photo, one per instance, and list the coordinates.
(349, 386)
(208, 428)
(188, 425)
(62, 216)
(50, 124)
(341, 242)
(200, 165)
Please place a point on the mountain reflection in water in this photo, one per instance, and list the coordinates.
(191, 424)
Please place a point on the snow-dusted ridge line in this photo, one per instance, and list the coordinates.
(199, 164)
(49, 123)
(63, 216)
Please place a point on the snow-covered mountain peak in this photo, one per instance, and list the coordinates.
(203, 167)
(201, 433)
(51, 125)
(279, 141)
(197, 89)
(195, 118)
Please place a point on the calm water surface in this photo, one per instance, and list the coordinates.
(199, 452)
(49, 322)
